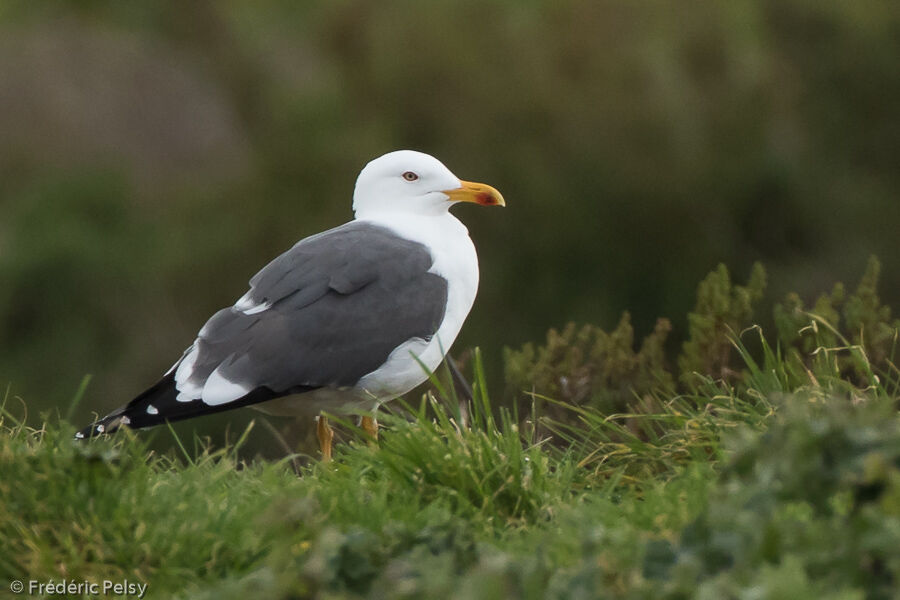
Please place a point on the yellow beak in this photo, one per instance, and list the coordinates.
(479, 193)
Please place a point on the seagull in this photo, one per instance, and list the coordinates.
(343, 321)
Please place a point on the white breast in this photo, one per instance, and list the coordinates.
(454, 260)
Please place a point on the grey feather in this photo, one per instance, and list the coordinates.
(340, 303)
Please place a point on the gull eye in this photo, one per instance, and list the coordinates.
(410, 176)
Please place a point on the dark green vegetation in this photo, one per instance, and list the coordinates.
(155, 154)
(764, 466)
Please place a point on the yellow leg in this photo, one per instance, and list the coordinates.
(325, 434)
(370, 426)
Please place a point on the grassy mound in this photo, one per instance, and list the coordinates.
(771, 470)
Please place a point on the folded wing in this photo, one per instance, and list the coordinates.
(323, 314)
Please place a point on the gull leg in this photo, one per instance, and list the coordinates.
(370, 426)
(325, 434)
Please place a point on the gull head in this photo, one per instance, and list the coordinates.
(407, 181)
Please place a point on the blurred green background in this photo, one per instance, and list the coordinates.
(154, 155)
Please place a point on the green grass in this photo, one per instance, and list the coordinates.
(784, 484)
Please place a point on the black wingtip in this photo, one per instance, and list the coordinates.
(160, 404)
(107, 424)
(132, 414)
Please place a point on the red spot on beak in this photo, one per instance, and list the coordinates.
(478, 193)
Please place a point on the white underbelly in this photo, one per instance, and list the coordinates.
(403, 370)
(411, 362)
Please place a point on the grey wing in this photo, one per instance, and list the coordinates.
(325, 313)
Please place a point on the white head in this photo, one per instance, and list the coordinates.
(413, 182)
